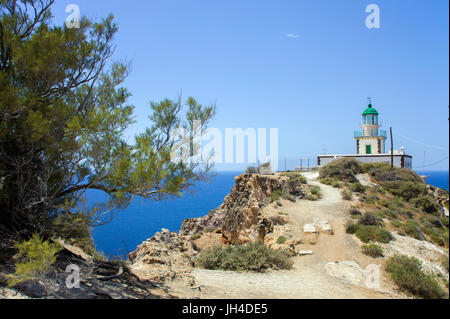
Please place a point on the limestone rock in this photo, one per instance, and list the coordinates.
(239, 215)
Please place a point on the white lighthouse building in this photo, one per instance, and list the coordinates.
(371, 144)
(371, 140)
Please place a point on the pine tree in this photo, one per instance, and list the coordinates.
(63, 114)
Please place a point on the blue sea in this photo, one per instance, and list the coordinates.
(142, 219)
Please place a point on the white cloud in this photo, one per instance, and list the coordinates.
(293, 35)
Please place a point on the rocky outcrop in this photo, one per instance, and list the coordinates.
(442, 197)
(239, 217)
(163, 257)
(98, 280)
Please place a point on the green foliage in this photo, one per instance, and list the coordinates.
(347, 194)
(372, 250)
(281, 240)
(355, 212)
(358, 188)
(330, 181)
(396, 224)
(403, 183)
(426, 203)
(411, 229)
(351, 228)
(343, 170)
(312, 197)
(315, 190)
(37, 256)
(65, 111)
(395, 175)
(373, 234)
(276, 195)
(367, 167)
(370, 219)
(251, 170)
(196, 236)
(249, 257)
(299, 179)
(444, 262)
(408, 275)
(75, 229)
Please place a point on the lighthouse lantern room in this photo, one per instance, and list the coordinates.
(371, 139)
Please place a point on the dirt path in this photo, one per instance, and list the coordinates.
(309, 277)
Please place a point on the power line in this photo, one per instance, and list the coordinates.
(429, 165)
(419, 142)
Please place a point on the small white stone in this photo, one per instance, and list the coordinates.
(309, 228)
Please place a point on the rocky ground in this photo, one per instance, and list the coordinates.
(328, 263)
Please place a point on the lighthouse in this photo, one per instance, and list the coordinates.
(371, 139)
(371, 144)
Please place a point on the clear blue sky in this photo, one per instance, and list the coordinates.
(313, 86)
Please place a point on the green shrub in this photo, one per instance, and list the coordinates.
(315, 190)
(369, 219)
(196, 236)
(396, 224)
(331, 181)
(351, 228)
(312, 197)
(281, 240)
(406, 272)
(395, 175)
(358, 188)
(406, 190)
(411, 229)
(275, 195)
(385, 203)
(437, 238)
(343, 169)
(347, 194)
(249, 257)
(36, 258)
(373, 234)
(426, 203)
(372, 250)
(444, 262)
(75, 229)
(355, 212)
(444, 221)
(367, 167)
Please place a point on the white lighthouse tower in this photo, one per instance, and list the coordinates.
(370, 145)
(371, 140)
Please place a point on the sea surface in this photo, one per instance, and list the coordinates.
(143, 218)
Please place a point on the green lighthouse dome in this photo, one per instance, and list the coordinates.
(370, 111)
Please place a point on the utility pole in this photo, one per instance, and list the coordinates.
(392, 150)
(301, 165)
(423, 168)
(285, 167)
